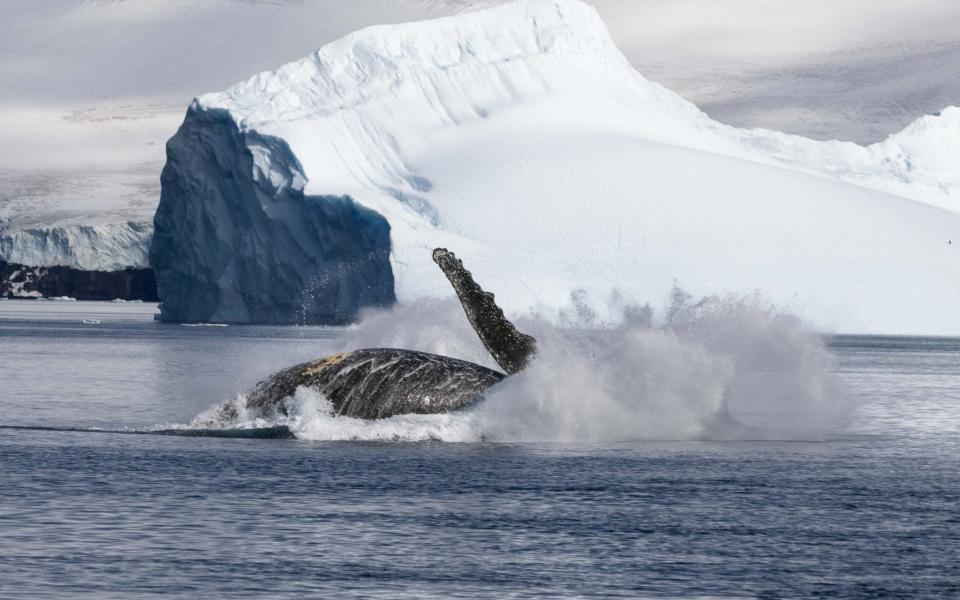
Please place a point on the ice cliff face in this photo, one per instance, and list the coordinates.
(238, 241)
(521, 138)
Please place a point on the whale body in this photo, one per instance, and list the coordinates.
(375, 383)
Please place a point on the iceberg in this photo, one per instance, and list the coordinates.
(521, 138)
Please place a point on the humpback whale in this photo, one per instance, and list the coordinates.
(375, 383)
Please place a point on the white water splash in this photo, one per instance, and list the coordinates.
(678, 376)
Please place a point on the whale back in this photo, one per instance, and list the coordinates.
(511, 348)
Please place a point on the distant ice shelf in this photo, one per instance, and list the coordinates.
(104, 247)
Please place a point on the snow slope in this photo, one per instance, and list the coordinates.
(82, 145)
(521, 138)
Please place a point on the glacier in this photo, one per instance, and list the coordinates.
(101, 247)
(520, 137)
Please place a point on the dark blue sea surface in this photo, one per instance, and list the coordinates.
(871, 511)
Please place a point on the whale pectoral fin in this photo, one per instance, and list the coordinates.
(511, 348)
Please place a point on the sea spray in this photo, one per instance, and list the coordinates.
(625, 384)
(713, 368)
(782, 379)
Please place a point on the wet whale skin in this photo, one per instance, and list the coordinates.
(376, 383)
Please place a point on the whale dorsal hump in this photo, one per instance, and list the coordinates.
(510, 348)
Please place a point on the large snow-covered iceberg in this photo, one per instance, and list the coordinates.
(520, 137)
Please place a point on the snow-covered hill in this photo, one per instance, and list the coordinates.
(521, 137)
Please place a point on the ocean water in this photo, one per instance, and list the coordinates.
(864, 505)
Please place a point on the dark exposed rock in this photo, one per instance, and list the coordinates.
(28, 281)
